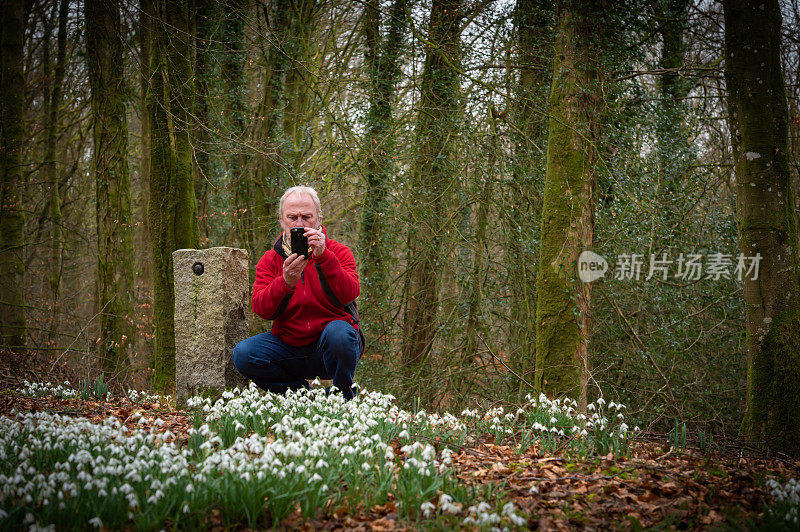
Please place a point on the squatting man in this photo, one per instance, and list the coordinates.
(309, 298)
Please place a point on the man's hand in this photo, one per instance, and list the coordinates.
(293, 268)
(316, 241)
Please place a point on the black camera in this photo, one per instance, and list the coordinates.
(300, 242)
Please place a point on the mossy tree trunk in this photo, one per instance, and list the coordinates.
(767, 221)
(12, 220)
(143, 345)
(271, 169)
(533, 20)
(432, 179)
(301, 47)
(234, 84)
(173, 207)
(382, 59)
(206, 41)
(112, 185)
(674, 146)
(484, 188)
(52, 180)
(563, 302)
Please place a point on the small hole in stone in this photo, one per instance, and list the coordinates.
(198, 268)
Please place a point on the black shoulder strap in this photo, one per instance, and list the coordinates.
(350, 308)
(323, 281)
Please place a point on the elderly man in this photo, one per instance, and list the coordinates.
(310, 300)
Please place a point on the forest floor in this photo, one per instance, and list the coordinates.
(654, 486)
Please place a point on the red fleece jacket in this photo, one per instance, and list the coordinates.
(300, 314)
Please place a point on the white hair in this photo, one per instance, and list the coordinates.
(301, 190)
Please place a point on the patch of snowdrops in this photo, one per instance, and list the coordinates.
(785, 502)
(259, 457)
(255, 457)
(557, 425)
(144, 397)
(48, 389)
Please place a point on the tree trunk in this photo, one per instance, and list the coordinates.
(484, 188)
(12, 221)
(206, 42)
(271, 172)
(382, 58)
(300, 47)
(562, 309)
(114, 230)
(142, 246)
(522, 212)
(767, 221)
(51, 174)
(235, 95)
(432, 177)
(173, 208)
(675, 153)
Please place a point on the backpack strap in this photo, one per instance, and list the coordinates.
(350, 308)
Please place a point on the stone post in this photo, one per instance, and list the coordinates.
(212, 301)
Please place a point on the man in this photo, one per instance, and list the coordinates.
(313, 333)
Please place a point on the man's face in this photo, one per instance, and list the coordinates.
(299, 211)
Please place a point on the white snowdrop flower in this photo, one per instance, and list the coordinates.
(189, 488)
(365, 466)
(446, 456)
(428, 453)
(518, 519)
(590, 406)
(96, 522)
(623, 428)
(389, 453)
(427, 508)
(324, 488)
(601, 401)
(533, 490)
(403, 435)
(553, 420)
(315, 478)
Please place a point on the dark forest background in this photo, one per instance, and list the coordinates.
(458, 146)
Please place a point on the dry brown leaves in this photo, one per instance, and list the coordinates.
(653, 487)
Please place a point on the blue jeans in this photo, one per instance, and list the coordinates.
(276, 366)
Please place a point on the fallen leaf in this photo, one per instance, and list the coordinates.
(500, 468)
